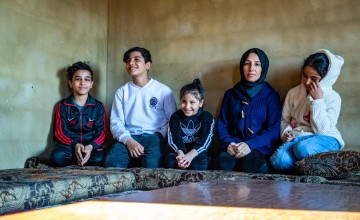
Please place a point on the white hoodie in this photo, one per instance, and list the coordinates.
(305, 115)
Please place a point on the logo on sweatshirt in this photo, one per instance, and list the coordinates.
(153, 102)
(189, 130)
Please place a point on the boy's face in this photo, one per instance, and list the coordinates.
(136, 65)
(81, 83)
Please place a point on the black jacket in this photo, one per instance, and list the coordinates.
(85, 126)
(191, 132)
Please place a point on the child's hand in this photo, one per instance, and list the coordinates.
(79, 149)
(185, 161)
(82, 153)
(87, 152)
(242, 150)
(288, 136)
(180, 155)
(315, 90)
(135, 149)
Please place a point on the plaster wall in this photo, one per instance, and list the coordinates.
(187, 39)
(206, 38)
(39, 40)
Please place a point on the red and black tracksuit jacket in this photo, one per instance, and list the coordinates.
(85, 126)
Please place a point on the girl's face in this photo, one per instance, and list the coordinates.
(81, 83)
(310, 76)
(190, 104)
(136, 65)
(252, 68)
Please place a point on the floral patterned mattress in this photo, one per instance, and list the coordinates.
(39, 185)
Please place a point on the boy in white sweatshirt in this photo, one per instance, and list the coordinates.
(310, 112)
(139, 116)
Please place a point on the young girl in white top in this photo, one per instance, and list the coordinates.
(310, 112)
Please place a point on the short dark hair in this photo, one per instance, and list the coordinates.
(71, 70)
(144, 53)
(194, 88)
(318, 61)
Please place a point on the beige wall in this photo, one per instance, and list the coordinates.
(39, 39)
(187, 39)
(206, 38)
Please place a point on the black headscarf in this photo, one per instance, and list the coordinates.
(250, 89)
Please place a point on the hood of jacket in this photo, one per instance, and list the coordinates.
(334, 69)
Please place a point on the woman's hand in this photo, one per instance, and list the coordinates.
(232, 148)
(242, 150)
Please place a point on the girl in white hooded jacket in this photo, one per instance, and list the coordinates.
(310, 112)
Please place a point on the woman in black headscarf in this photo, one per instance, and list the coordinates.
(249, 120)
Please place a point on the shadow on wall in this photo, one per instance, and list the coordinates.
(282, 81)
(65, 91)
(217, 78)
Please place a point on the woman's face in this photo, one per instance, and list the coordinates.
(252, 68)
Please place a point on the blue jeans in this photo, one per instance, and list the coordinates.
(287, 154)
(64, 155)
(254, 162)
(200, 162)
(119, 156)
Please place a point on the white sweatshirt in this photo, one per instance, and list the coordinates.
(137, 110)
(305, 115)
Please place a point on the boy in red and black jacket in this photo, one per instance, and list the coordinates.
(79, 128)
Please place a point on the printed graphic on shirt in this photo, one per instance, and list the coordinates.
(90, 122)
(72, 122)
(153, 102)
(189, 131)
(307, 117)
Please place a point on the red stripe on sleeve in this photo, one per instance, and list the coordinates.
(101, 139)
(59, 133)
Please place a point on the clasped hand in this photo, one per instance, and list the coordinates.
(184, 160)
(238, 150)
(82, 153)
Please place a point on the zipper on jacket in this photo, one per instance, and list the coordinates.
(81, 132)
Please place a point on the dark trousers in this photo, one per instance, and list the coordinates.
(119, 156)
(254, 162)
(200, 162)
(64, 155)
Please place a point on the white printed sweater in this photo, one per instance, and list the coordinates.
(305, 116)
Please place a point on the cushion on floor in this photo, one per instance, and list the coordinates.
(333, 165)
(25, 189)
